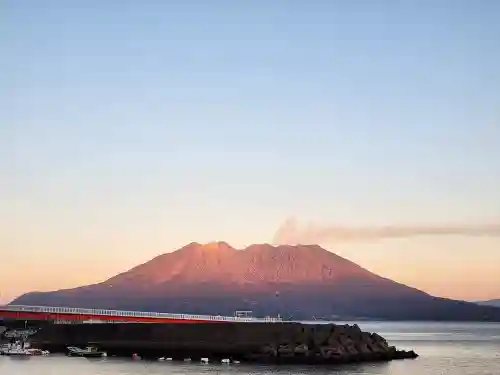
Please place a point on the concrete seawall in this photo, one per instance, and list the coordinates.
(260, 342)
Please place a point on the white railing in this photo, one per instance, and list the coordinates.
(133, 314)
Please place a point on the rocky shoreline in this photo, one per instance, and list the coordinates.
(287, 343)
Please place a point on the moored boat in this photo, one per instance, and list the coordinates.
(34, 351)
(17, 349)
(89, 351)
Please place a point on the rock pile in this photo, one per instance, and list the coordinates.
(330, 343)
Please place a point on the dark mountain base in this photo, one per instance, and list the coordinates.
(303, 303)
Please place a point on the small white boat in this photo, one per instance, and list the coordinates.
(89, 351)
(38, 352)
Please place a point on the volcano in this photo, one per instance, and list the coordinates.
(299, 282)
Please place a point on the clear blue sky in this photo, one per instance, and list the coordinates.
(129, 128)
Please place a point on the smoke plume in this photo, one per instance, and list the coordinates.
(291, 232)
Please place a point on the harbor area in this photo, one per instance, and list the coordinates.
(283, 342)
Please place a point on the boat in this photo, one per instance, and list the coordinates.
(89, 351)
(34, 351)
(17, 349)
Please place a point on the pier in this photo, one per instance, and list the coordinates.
(61, 314)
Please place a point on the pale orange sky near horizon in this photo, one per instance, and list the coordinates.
(457, 267)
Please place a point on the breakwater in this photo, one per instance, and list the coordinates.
(250, 342)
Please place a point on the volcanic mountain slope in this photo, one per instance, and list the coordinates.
(296, 281)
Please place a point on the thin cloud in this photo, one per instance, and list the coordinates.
(292, 232)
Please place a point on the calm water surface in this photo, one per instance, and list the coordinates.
(444, 348)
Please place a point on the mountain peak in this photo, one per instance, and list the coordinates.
(208, 246)
(217, 245)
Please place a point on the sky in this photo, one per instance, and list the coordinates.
(131, 128)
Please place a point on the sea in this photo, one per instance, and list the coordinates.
(444, 348)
